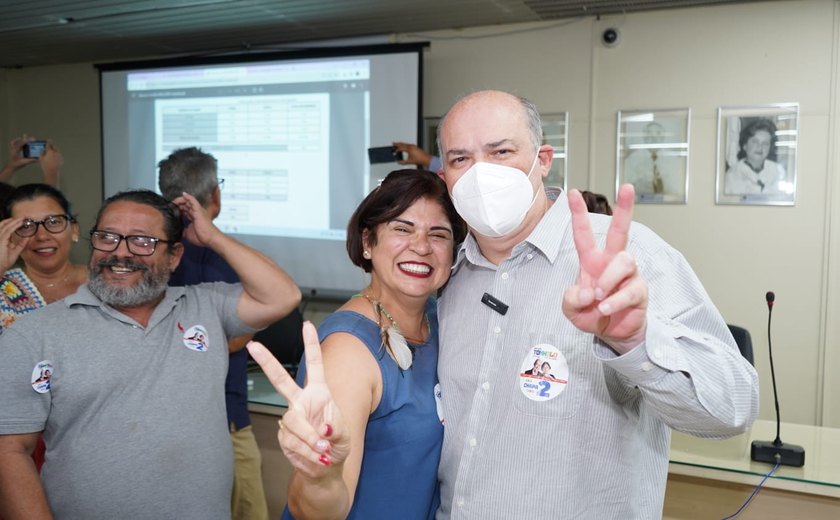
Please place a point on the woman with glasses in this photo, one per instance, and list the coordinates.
(364, 434)
(39, 231)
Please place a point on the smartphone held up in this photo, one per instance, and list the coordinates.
(384, 154)
(34, 149)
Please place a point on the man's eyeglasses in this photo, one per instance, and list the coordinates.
(137, 244)
(53, 223)
(220, 183)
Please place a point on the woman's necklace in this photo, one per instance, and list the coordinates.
(57, 289)
(53, 284)
(392, 338)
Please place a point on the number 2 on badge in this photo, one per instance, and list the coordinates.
(545, 386)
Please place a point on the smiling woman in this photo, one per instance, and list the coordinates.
(39, 231)
(373, 441)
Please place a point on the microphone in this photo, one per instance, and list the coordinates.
(494, 303)
(776, 451)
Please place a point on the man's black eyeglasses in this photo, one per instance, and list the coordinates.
(53, 223)
(137, 244)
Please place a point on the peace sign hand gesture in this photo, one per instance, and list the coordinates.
(609, 298)
(312, 432)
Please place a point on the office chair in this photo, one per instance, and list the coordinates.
(283, 338)
(744, 341)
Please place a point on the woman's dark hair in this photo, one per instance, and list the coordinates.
(5, 191)
(172, 225)
(596, 203)
(32, 192)
(399, 190)
(750, 130)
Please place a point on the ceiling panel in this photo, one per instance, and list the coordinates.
(44, 32)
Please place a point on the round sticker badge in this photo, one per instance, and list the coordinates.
(544, 373)
(41, 375)
(195, 338)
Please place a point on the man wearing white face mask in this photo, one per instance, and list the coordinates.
(494, 200)
(634, 343)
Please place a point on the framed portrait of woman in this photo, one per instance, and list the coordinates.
(756, 154)
(652, 154)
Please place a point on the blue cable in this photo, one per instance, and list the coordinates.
(755, 491)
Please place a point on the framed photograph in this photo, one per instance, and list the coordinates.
(429, 142)
(556, 133)
(756, 154)
(652, 154)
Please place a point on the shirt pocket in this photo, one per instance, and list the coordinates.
(566, 370)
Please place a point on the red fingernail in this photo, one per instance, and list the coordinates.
(325, 460)
(327, 430)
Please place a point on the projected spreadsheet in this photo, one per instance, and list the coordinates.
(270, 149)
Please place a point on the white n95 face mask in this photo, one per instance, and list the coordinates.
(494, 199)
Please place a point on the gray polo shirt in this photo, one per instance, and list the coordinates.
(133, 418)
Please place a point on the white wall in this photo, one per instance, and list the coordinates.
(701, 58)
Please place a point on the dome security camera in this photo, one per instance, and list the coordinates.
(610, 37)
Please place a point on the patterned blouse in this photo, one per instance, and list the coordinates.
(18, 295)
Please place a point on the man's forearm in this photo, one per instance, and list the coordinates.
(271, 291)
(21, 493)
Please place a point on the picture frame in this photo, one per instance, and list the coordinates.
(652, 151)
(556, 133)
(429, 141)
(756, 155)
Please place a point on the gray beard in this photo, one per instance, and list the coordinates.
(150, 287)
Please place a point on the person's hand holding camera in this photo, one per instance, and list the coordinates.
(27, 150)
(16, 157)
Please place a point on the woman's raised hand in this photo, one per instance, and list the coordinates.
(10, 244)
(312, 433)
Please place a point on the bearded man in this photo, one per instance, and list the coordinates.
(133, 413)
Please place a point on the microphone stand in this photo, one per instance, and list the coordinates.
(776, 451)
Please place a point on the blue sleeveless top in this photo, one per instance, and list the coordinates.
(398, 477)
